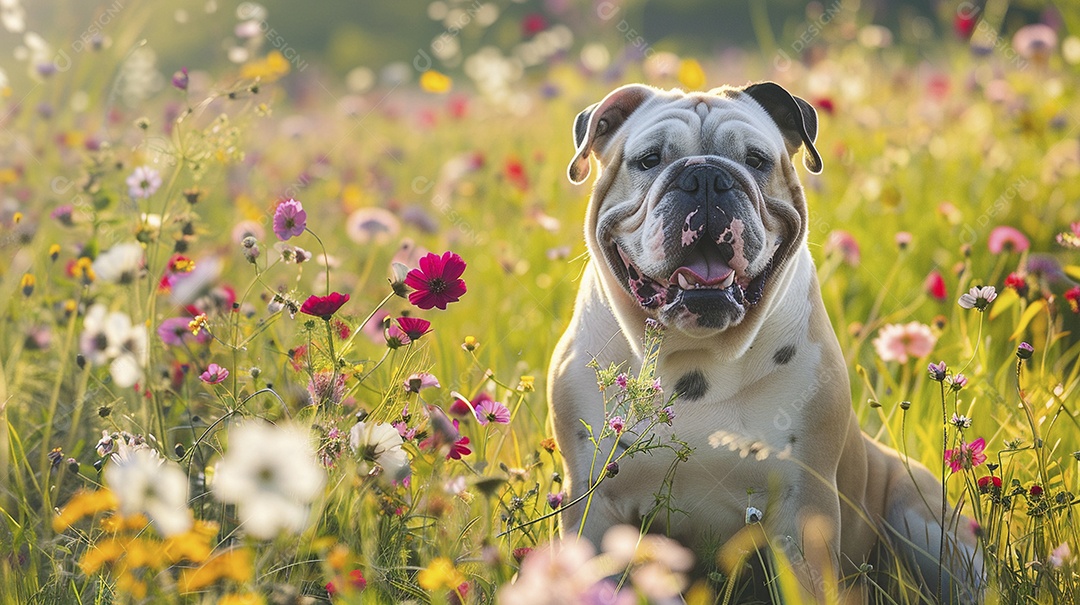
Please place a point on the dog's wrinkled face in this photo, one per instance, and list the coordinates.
(698, 204)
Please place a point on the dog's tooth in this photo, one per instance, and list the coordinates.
(684, 283)
(729, 280)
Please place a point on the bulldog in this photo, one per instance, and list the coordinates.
(698, 221)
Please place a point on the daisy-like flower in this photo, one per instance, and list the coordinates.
(967, 456)
(120, 264)
(565, 568)
(937, 371)
(437, 282)
(617, 424)
(419, 381)
(1007, 239)
(960, 421)
(957, 382)
(898, 342)
(378, 447)
(843, 243)
(143, 182)
(658, 564)
(174, 332)
(272, 476)
(214, 374)
(490, 410)
(372, 225)
(145, 483)
(414, 327)
(111, 338)
(978, 297)
(324, 306)
(396, 337)
(290, 219)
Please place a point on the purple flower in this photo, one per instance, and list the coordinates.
(617, 424)
(958, 382)
(175, 330)
(214, 374)
(143, 182)
(1025, 350)
(490, 410)
(555, 500)
(937, 371)
(290, 219)
(622, 380)
(180, 79)
(421, 380)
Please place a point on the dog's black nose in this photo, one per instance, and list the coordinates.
(705, 178)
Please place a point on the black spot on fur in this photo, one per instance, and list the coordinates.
(784, 354)
(692, 385)
(792, 439)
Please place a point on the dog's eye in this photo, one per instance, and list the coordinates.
(756, 159)
(650, 161)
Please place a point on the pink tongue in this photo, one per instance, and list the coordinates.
(706, 265)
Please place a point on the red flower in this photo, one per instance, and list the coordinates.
(1036, 491)
(356, 581)
(964, 24)
(414, 327)
(533, 24)
(989, 482)
(324, 306)
(459, 448)
(437, 282)
(1072, 295)
(825, 104)
(1018, 283)
(935, 286)
(515, 173)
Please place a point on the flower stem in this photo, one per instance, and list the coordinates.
(326, 259)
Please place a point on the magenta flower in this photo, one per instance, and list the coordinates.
(214, 374)
(490, 410)
(666, 415)
(937, 371)
(622, 380)
(1007, 239)
(617, 424)
(555, 500)
(967, 456)
(414, 327)
(324, 306)
(396, 337)
(290, 219)
(437, 282)
(180, 79)
(174, 331)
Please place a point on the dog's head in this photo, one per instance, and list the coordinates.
(698, 206)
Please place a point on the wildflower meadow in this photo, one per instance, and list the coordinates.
(278, 331)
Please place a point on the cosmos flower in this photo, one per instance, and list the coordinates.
(110, 337)
(290, 219)
(967, 456)
(372, 226)
(843, 243)
(214, 374)
(143, 182)
(419, 381)
(490, 410)
(1035, 42)
(437, 282)
(978, 297)
(898, 342)
(378, 447)
(324, 306)
(272, 476)
(146, 483)
(174, 332)
(414, 327)
(1007, 239)
(937, 371)
(120, 264)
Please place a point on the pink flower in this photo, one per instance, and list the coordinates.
(896, 342)
(1007, 239)
(1060, 555)
(935, 286)
(396, 337)
(437, 282)
(459, 447)
(978, 297)
(967, 456)
(843, 243)
(414, 327)
(290, 219)
(492, 411)
(420, 381)
(175, 330)
(617, 424)
(214, 374)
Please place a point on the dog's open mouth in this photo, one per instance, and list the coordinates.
(703, 278)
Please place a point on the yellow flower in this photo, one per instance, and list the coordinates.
(691, 75)
(17, 218)
(433, 81)
(83, 269)
(234, 564)
(527, 383)
(268, 69)
(440, 574)
(70, 306)
(27, 284)
(104, 551)
(117, 523)
(197, 323)
(338, 557)
(246, 598)
(470, 343)
(83, 504)
(192, 545)
(54, 251)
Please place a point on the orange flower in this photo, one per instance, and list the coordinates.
(84, 504)
(234, 564)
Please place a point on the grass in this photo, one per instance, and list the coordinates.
(945, 167)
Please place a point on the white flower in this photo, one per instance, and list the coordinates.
(379, 449)
(145, 483)
(978, 297)
(562, 571)
(143, 182)
(753, 515)
(658, 563)
(110, 337)
(960, 421)
(119, 264)
(272, 475)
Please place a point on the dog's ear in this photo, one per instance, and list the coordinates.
(795, 117)
(594, 126)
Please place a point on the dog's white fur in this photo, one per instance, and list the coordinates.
(781, 437)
